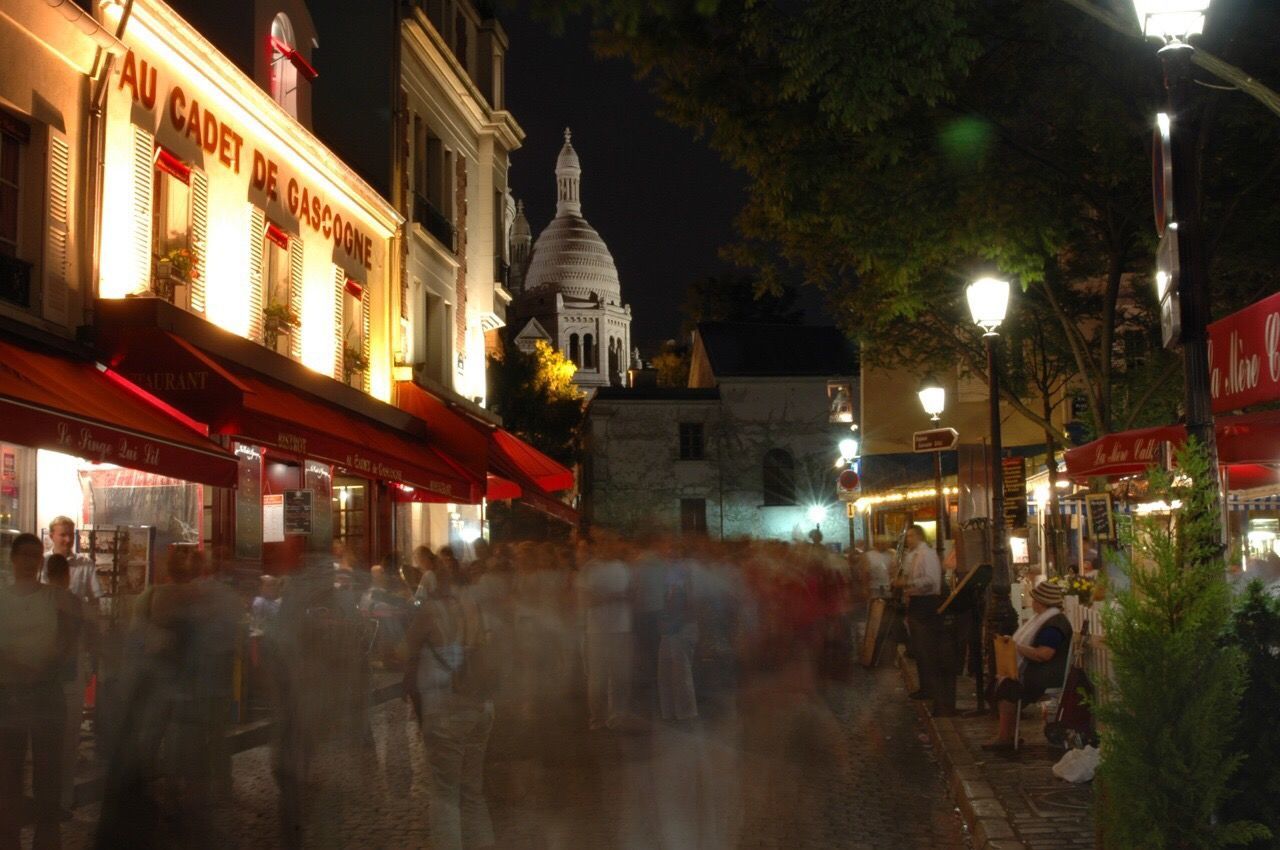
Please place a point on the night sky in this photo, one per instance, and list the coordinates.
(660, 199)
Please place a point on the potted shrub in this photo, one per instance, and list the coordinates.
(179, 266)
(353, 362)
(278, 319)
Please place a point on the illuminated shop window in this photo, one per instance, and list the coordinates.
(284, 74)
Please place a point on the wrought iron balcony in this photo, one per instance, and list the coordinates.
(434, 222)
(15, 281)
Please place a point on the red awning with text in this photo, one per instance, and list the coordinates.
(1248, 440)
(78, 407)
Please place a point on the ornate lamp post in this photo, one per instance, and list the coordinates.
(988, 303)
(1182, 279)
(933, 398)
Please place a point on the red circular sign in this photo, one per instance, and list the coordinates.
(848, 480)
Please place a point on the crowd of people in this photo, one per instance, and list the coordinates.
(685, 634)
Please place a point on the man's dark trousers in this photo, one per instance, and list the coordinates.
(31, 713)
(925, 626)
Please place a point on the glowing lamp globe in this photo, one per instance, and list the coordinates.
(1171, 20)
(848, 449)
(933, 398)
(988, 302)
(817, 513)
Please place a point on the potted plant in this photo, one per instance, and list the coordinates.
(178, 266)
(353, 362)
(277, 318)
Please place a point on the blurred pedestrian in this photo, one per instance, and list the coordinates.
(84, 581)
(35, 644)
(456, 721)
(679, 628)
(75, 672)
(603, 584)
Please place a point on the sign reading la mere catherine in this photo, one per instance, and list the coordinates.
(186, 116)
(1244, 356)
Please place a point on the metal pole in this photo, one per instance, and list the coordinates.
(940, 506)
(1000, 616)
(1193, 274)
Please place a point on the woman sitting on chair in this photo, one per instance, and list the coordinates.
(1043, 646)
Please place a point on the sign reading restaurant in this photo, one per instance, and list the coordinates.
(191, 120)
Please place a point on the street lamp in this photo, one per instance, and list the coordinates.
(988, 303)
(933, 398)
(1182, 282)
(849, 449)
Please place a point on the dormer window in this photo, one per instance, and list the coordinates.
(286, 64)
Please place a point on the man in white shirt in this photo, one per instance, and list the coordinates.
(921, 582)
(84, 575)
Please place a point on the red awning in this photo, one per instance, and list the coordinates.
(1247, 445)
(1123, 453)
(239, 402)
(512, 453)
(84, 409)
(294, 424)
(512, 468)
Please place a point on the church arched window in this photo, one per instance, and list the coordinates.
(574, 354)
(588, 352)
(779, 477)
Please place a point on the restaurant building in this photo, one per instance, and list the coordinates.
(77, 438)
(247, 277)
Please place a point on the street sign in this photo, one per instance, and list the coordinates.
(847, 486)
(850, 510)
(936, 440)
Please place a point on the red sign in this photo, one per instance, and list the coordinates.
(848, 480)
(937, 440)
(1244, 356)
(1126, 453)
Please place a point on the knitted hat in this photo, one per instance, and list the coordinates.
(1049, 595)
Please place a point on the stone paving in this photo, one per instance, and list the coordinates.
(861, 777)
(1014, 801)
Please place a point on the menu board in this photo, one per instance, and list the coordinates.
(1101, 520)
(1014, 471)
(298, 511)
(273, 518)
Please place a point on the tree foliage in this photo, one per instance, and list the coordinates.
(1171, 718)
(737, 298)
(896, 150)
(537, 399)
(1255, 788)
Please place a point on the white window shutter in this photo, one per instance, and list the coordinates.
(257, 232)
(144, 151)
(57, 249)
(295, 295)
(199, 237)
(365, 346)
(339, 332)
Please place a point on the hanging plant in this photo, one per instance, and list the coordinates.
(277, 319)
(174, 267)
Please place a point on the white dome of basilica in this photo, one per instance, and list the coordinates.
(569, 256)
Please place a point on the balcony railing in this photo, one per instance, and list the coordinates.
(434, 221)
(15, 281)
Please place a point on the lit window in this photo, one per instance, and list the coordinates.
(10, 145)
(176, 264)
(280, 314)
(355, 333)
(284, 74)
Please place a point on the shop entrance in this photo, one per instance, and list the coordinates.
(351, 520)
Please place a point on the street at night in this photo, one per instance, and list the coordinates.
(681, 425)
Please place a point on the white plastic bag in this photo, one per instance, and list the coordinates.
(1077, 765)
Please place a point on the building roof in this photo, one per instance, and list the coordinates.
(745, 349)
(656, 394)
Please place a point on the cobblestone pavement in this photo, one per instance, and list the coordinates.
(858, 778)
(1011, 802)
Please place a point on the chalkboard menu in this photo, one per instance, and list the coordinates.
(298, 511)
(1101, 521)
(1015, 492)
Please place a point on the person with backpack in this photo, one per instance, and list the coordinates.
(450, 679)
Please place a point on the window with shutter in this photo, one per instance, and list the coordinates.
(295, 297)
(257, 231)
(57, 229)
(199, 238)
(339, 332)
(143, 173)
(365, 347)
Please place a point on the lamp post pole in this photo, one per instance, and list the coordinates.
(1193, 272)
(999, 562)
(939, 506)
